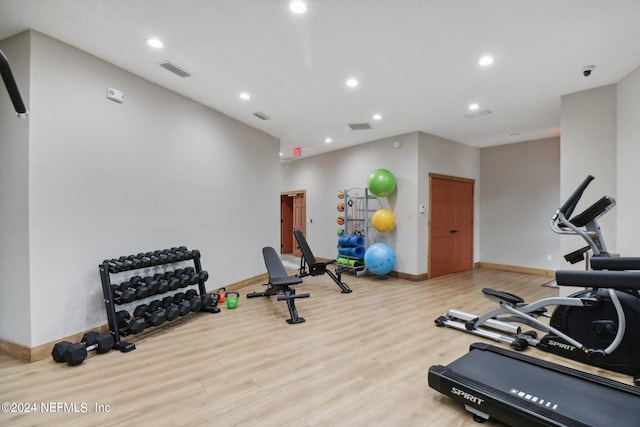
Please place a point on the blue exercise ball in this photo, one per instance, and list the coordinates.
(379, 258)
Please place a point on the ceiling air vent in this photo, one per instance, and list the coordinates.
(262, 116)
(477, 114)
(359, 126)
(170, 66)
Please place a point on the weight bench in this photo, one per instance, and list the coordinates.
(280, 284)
(317, 268)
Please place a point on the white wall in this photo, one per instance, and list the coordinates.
(324, 175)
(108, 179)
(628, 157)
(520, 192)
(418, 155)
(442, 156)
(14, 201)
(588, 147)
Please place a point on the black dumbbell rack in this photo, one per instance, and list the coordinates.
(135, 262)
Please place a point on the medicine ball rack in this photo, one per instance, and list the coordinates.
(357, 214)
(146, 260)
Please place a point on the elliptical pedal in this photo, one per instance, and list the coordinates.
(511, 300)
(503, 297)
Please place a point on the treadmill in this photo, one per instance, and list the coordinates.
(523, 391)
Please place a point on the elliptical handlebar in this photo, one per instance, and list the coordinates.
(12, 87)
(583, 224)
(570, 204)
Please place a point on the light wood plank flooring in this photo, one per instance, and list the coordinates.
(361, 359)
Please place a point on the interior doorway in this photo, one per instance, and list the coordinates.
(450, 224)
(293, 214)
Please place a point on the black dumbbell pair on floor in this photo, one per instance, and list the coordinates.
(75, 353)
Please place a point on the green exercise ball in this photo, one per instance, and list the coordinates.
(381, 183)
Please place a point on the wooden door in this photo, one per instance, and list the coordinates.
(286, 224)
(450, 225)
(293, 214)
(299, 220)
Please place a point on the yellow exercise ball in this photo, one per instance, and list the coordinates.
(383, 220)
(340, 194)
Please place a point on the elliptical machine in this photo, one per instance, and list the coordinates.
(599, 326)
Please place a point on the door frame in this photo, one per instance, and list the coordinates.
(449, 178)
(292, 193)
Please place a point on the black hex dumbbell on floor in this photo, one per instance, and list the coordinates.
(75, 353)
(130, 326)
(153, 317)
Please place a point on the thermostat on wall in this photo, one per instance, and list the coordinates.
(115, 95)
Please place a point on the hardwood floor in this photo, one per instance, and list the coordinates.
(360, 359)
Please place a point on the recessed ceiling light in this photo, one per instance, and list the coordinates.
(377, 117)
(298, 7)
(352, 83)
(245, 96)
(485, 61)
(473, 107)
(328, 140)
(155, 43)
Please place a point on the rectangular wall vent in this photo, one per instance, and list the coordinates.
(477, 114)
(359, 126)
(262, 116)
(170, 66)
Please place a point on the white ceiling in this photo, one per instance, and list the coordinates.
(416, 60)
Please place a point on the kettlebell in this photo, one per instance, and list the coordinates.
(232, 301)
(222, 293)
